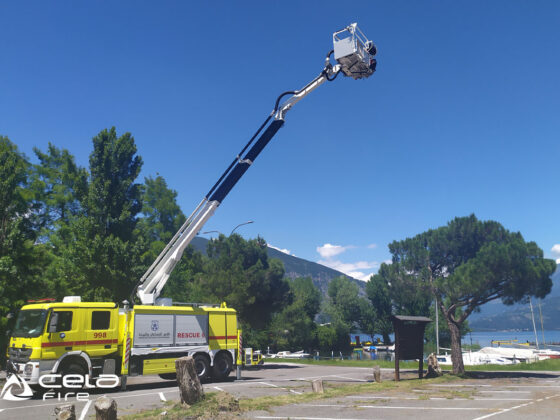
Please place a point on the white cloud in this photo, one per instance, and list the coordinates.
(283, 250)
(556, 252)
(372, 246)
(329, 250)
(355, 270)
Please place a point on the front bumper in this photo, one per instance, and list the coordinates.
(30, 371)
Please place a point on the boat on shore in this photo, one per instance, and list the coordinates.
(290, 355)
(501, 356)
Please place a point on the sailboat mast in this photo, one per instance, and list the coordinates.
(533, 318)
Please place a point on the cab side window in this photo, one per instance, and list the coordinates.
(100, 320)
(64, 321)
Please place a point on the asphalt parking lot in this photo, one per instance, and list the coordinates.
(493, 395)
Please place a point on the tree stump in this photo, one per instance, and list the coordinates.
(377, 374)
(105, 409)
(433, 367)
(65, 412)
(190, 388)
(317, 386)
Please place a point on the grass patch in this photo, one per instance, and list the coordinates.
(348, 363)
(548, 364)
(215, 405)
(224, 406)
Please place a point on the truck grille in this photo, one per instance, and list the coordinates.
(19, 355)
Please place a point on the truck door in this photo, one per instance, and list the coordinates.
(101, 331)
(62, 333)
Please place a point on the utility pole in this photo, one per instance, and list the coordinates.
(437, 329)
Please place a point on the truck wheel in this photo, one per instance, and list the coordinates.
(222, 366)
(168, 376)
(202, 367)
(73, 369)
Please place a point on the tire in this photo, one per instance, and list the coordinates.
(73, 369)
(168, 376)
(202, 367)
(222, 366)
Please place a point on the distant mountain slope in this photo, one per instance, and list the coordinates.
(297, 267)
(495, 316)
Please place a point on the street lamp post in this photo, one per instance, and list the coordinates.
(242, 224)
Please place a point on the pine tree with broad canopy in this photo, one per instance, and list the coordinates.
(466, 264)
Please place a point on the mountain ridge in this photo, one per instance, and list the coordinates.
(297, 267)
(495, 316)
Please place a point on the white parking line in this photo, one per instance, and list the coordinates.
(162, 397)
(304, 418)
(381, 397)
(510, 391)
(350, 379)
(219, 389)
(532, 386)
(267, 384)
(85, 410)
(505, 410)
(458, 385)
(295, 392)
(404, 407)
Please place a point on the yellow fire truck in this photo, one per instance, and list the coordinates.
(91, 338)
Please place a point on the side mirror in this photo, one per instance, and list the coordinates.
(53, 322)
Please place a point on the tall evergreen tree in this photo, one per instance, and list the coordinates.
(59, 184)
(21, 259)
(99, 251)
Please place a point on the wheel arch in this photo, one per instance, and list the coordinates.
(73, 356)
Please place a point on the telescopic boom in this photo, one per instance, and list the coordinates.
(354, 58)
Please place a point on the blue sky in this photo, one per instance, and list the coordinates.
(461, 117)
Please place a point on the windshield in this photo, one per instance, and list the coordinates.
(30, 323)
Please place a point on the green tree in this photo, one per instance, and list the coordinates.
(21, 260)
(59, 184)
(378, 293)
(306, 295)
(344, 301)
(468, 263)
(162, 215)
(293, 328)
(239, 272)
(99, 250)
(347, 311)
(162, 218)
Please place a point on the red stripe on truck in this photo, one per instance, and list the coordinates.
(79, 343)
(222, 337)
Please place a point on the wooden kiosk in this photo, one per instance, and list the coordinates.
(409, 340)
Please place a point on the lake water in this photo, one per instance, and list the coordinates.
(484, 338)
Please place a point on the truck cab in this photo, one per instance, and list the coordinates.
(63, 337)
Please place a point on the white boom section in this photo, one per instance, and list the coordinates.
(294, 99)
(152, 282)
(154, 279)
(355, 59)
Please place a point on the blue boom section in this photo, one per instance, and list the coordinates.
(243, 164)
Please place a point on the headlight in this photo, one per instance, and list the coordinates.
(28, 370)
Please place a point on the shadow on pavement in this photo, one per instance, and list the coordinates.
(511, 375)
